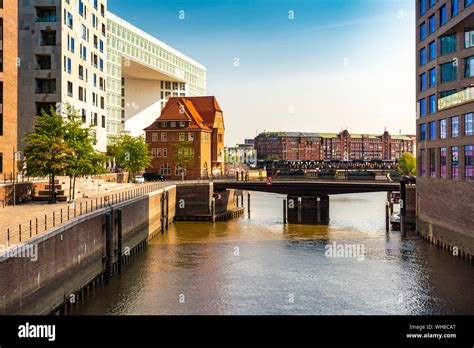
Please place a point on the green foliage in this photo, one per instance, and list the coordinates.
(184, 154)
(131, 153)
(407, 164)
(47, 152)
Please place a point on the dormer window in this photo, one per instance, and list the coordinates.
(173, 124)
(182, 124)
(164, 124)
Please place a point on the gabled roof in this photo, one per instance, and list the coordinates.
(198, 110)
(207, 107)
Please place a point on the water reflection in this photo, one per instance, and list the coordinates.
(258, 265)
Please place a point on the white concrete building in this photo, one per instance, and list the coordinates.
(143, 73)
(116, 76)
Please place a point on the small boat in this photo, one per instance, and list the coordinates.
(395, 221)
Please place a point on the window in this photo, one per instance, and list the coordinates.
(432, 3)
(181, 136)
(442, 15)
(442, 162)
(172, 124)
(432, 24)
(81, 72)
(190, 136)
(69, 89)
(164, 124)
(454, 8)
(164, 136)
(43, 62)
(154, 137)
(422, 56)
(469, 39)
(423, 162)
(103, 121)
(81, 8)
(423, 81)
(182, 124)
(422, 7)
(433, 130)
(69, 20)
(422, 31)
(432, 73)
(179, 171)
(447, 93)
(443, 130)
(454, 127)
(158, 152)
(448, 72)
(467, 3)
(423, 107)
(448, 44)
(455, 162)
(468, 124)
(45, 86)
(165, 152)
(468, 162)
(83, 116)
(165, 169)
(432, 99)
(432, 49)
(470, 66)
(432, 163)
(422, 131)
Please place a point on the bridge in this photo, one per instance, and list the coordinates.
(308, 200)
(308, 187)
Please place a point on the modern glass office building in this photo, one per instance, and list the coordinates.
(142, 73)
(445, 99)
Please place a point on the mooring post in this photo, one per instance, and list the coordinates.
(213, 210)
(119, 240)
(167, 209)
(162, 201)
(108, 247)
(248, 203)
(284, 211)
(299, 209)
(318, 210)
(387, 216)
(403, 229)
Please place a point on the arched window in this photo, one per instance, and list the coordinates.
(178, 170)
(165, 169)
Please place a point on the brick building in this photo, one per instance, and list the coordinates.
(8, 85)
(197, 120)
(445, 136)
(332, 146)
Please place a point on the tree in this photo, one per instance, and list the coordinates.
(131, 153)
(47, 152)
(184, 155)
(86, 160)
(407, 164)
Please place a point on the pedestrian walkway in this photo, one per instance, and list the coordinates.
(18, 223)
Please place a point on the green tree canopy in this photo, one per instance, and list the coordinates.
(131, 153)
(407, 164)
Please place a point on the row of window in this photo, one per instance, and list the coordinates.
(429, 169)
(448, 73)
(164, 136)
(431, 132)
(165, 169)
(159, 152)
(422, 4)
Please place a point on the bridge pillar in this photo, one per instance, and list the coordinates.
(308, 210)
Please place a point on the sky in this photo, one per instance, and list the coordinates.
(295, 65)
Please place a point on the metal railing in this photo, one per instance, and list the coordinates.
(33, 227)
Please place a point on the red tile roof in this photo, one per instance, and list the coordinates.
(200, 110)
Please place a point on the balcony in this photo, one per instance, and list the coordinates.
(456, 99)
(47, 19)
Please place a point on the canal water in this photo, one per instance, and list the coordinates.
(256, 265)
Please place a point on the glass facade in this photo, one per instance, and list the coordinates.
(454, 127)
(422, 4)
(468, 162)
(454, 8)
(423, 56)
(448, 44)
(442, 15)
(432, 99)
(448, 72)
(432, 74)
(422, 131)
(423, 107)
(442, 162)
(443, 131)
(432, 22)
(433, 130)
(468, 124)
(126, 40)
(432, 49)
(423, 81)
(469, 67)
(455, 162)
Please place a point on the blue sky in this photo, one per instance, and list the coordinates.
(337, 64)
